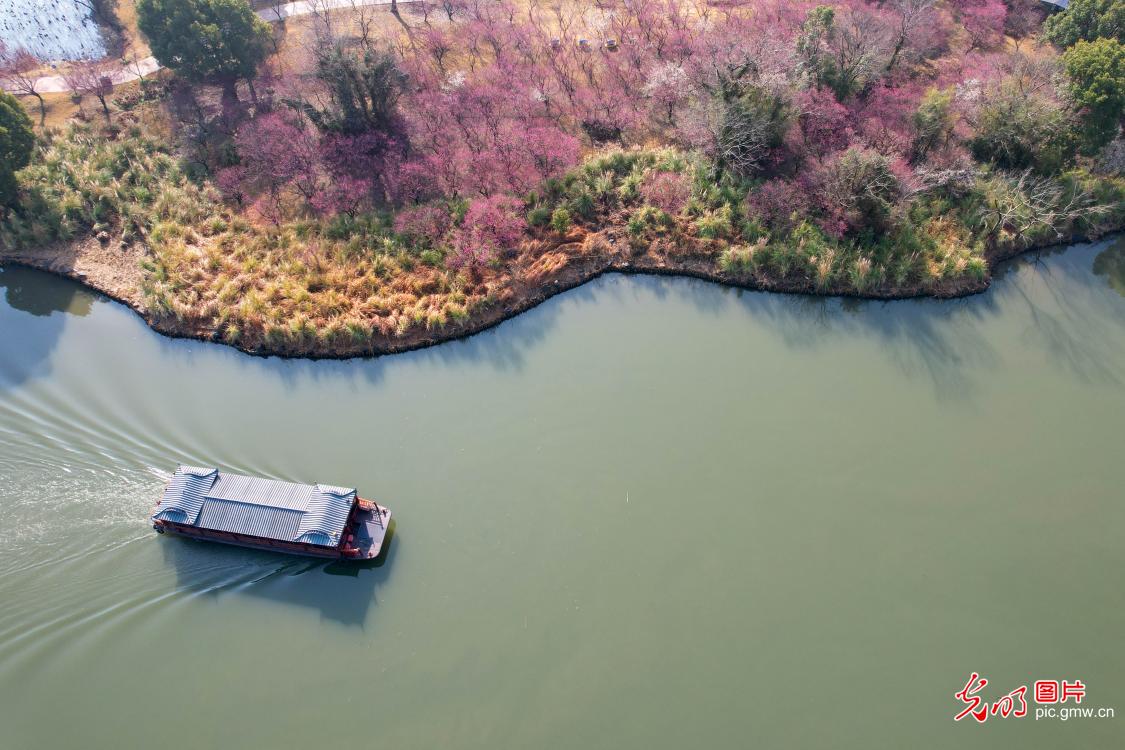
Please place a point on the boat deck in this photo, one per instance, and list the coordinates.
(370, 531)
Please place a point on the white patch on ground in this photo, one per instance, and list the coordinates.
(51, 29)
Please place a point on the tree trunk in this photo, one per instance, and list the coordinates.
(230, 97)
(896, 53)
(42, 109)
(398, 16)
(105, 108)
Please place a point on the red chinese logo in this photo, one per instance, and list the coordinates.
(1046, 691)
(1075, 690)
(968, 694)
(1015, 702)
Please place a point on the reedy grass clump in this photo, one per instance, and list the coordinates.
(304, 284)
(82, 182)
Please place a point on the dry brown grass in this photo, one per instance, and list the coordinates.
(297, 39)
(60, 109)
(134, 42)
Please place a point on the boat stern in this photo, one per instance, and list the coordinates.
(369, 531)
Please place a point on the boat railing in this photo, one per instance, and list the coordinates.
(378, 512)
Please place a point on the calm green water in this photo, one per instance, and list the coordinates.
(651, 513)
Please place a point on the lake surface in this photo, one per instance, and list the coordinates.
(651, 513)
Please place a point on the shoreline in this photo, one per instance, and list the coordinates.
(116, 281)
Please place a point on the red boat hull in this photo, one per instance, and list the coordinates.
(252, 542)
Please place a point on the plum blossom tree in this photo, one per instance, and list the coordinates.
(18, 75)
(491, 225)
(778, 202)
(983, 21)
(667, 191)
(479, 137)
(426, 224)
(278, 156)
(340, 194)
(834, 103)
(232, 183)
(668, 86)
(91, 78)
(824, 122)
(885, 117)
(912, 16)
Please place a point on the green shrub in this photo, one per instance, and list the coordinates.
(638, 222)
(860, 186)
(539, 216)
(1096, 73)
(560, 220)
(860, 273)
(716, 224)
(1088, 20)
(81, 179)
(16, 143)
(816, 251)
(629, 189)
(583, 205)
(933, 122)
(753, 230)
(977, 267)
(742, 259)
(1017, 129)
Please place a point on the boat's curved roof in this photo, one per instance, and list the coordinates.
(209, 499)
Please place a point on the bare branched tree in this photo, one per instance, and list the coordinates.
(134, 65)
(860, 46)
(735, 141)
(365, 20)
(324, 29)
(1027, 205)
(278, 16)
(911, 15)
(91, 78)
(18, 75)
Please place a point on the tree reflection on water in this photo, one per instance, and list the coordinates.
(1110, 263)
(41, 294)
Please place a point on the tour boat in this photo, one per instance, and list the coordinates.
(318, 520)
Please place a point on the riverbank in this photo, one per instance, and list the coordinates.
(123, 215)
(118, 275)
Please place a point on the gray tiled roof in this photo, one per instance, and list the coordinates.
(210, 499)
